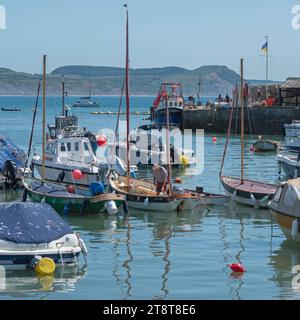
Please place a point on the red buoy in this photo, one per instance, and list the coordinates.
(77, 174)
(214, 139)
(178, 180)
(237, 267)
(101, 141)
(252, 149)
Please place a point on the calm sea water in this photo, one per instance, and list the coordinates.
(179, 255)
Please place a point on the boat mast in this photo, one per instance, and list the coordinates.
(242, 121)
(127, 97)
(168, 149)
(44, 116)
(63, 95)
(199, 89)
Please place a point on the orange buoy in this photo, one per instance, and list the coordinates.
(214, 139)
(178, 180)
(237, 267)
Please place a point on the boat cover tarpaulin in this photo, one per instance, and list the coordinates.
(9, 151)
(25, 222)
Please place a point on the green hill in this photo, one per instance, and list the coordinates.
(108, 80)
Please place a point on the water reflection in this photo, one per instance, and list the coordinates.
(283, 260)
(26, 284)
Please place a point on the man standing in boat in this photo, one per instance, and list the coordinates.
(160, 178)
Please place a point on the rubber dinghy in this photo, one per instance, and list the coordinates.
(30, 232)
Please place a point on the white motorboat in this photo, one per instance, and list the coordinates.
(30, 232)
(86, 102)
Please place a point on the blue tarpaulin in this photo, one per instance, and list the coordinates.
(27, 222)
(9, 151)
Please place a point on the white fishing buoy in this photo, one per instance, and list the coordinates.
(111, 207)
(295, 227)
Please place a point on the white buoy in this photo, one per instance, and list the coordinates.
(111, 207)
(295, 227)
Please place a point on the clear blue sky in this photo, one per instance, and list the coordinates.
(184, 33)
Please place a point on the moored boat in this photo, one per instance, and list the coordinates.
(285, 208)
(249, 192)
(194, 198)
(11, 109)
(170, 95)
(74, 200)
(290, 164)
(141, 194)
(266, 146)
(30, 232)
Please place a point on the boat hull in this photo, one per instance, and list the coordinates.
(289, 165)
(265, 146)
(52, 174)
(250, 193)
(175, 117)
(285, 223)
(73, 204)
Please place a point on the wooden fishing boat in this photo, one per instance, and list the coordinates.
(194, 198)
(266, 146)
(285, 208)
(72, 199)
(141, 194)
(242, 190)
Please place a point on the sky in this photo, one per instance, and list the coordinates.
(183, 33)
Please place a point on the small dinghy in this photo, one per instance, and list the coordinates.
(11, 109)
(34, 235)
(266, 146)
(194, 198)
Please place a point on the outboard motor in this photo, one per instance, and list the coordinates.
(9, 171)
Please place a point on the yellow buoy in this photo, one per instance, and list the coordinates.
(184, 160)
(45, 266)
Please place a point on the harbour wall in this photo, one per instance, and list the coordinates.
(263, 120)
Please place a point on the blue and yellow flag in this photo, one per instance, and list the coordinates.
(265, 48)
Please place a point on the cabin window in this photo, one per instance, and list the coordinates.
(180, 104)
(76, 146)
(69, 146)
(50, 149)
(277, 195)
(171, 104)
(62, 147)
(175, 104)
(86, 147)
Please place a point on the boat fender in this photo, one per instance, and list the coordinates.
(234, 195)
(146, 202)
(83, 247)
(264, 199)
(111, 207)
(24, 196)
(43, 266)
(66, 209)
(184, 160)
(253, 199)
(295, 228)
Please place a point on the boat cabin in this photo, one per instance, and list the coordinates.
(76, 149)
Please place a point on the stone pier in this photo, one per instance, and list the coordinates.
(263, 120)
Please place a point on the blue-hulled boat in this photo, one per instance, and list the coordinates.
(171, 95)
(30, 231)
